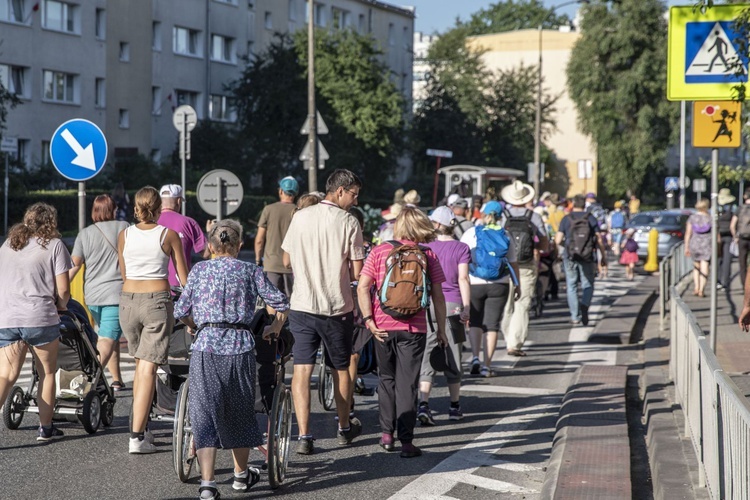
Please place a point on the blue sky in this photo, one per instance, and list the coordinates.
(438, 15)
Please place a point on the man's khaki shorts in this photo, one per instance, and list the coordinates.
(147, 320)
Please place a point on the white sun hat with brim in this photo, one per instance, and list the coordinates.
(517, 193)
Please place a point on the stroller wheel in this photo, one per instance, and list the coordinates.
(92, 412)
(108, 414)
(13, 408)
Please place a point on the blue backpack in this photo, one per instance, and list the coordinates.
(489, 256)
(618, 220)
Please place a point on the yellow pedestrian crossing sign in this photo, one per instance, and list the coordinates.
(705, 60)
(717, 124)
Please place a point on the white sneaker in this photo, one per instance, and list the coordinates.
(148, 436)
(141, 446)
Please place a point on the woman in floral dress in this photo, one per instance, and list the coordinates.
(698, 245)
(219, 301)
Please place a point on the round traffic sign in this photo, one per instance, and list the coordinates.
(220, 189)
(184, 117)
(78, 149)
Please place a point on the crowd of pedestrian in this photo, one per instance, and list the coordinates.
(426, 284)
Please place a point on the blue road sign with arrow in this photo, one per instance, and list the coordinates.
(671, 184)
(78, 149)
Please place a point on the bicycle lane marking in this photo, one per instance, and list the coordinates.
(483, 451)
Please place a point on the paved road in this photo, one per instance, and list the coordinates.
(500, 448)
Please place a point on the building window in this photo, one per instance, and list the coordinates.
(100, 27)
(188, 97)
(45, 153)
(320, 15)
(60, 87)
(60, 16)
(406, 39)
(337, 21)
(15, 79)
(222, 48)
(391, 34)
(186, 41)
(156, 101)
(100, 94)
(251, 50)
(251, 26)
(124, 118)
(361, 25)
(124, 52)
(15, 11)
(293, 11)
(156, 35)
(268, 21)
(24, 150)
(231, 2)
(221, 108)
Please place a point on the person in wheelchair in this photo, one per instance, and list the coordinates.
(219, 303)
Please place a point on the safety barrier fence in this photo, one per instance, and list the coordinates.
(717, 414)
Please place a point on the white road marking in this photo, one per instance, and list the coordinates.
(506, 389)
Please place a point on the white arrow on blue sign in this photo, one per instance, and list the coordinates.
(78, 149)
(671, 184)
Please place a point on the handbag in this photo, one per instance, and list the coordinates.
(734, 248)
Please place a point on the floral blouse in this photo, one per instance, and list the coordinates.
(225, 290)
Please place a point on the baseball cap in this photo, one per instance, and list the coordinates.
(452, 199)
(591, 195)
(461, 202)
(171, 191)
(443, 215)
(492, 207)
(289, 185)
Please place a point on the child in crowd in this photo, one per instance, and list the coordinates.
(629, 256)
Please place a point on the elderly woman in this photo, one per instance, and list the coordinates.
(698, 245)
(34, 264)
(219, 301)
(96, 246)
(401, 342)
(146, 304)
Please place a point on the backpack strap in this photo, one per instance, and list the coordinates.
(528, 214)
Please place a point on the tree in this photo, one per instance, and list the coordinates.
(363, 110)
(617, 80)
(513, 15)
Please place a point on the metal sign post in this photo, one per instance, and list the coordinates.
(439, 154)
(184, 120)
(714, 240)
(9, 145)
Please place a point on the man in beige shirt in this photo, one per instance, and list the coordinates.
(324, 247)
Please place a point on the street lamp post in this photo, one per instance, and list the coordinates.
(538, 124)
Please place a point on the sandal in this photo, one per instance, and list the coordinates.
(247, 482)
(214, 493)
(117, 385)
(516, 352)
(486, 372)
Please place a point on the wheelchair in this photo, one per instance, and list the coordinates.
(273, 397)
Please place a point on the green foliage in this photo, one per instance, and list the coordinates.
(727, 174)
(513, 15)
(617, 79)
(362, 108)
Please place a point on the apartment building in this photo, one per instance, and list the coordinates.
(126, 65)
(422, 42)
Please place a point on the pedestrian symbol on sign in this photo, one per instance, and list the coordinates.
(711, 54)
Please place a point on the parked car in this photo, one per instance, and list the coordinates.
(669, 223)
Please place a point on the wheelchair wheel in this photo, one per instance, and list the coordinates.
(108, 413)
(92, 412)
(325, 388)
(182, 436)
(13, 408)
(279, 435)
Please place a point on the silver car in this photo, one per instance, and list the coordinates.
(669, 223)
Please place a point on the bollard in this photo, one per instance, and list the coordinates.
(652, 261)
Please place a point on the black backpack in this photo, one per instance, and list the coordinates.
(522, 230)
(725, 221)
(580, 240)
(743, 222)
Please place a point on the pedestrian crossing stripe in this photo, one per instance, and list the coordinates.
(711, 54)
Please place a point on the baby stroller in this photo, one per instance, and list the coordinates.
(83, 393)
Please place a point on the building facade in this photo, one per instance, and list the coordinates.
(508, 50)
(126, 65)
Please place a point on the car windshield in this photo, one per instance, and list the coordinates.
(657, 220)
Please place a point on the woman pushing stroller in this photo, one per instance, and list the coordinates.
(219, 302)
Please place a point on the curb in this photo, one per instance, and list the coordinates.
(625, 316)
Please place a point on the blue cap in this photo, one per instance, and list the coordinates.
(289, 185)
(492, 207)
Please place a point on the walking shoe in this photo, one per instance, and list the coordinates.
(346, 437)
(49, 435)
(141, 446)
(455, 414)
(408, 450)
(252, 476)
(424, 415)
(386, 442)
(584, 315)
(475, 366)
(305, 446)
(486, 372)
